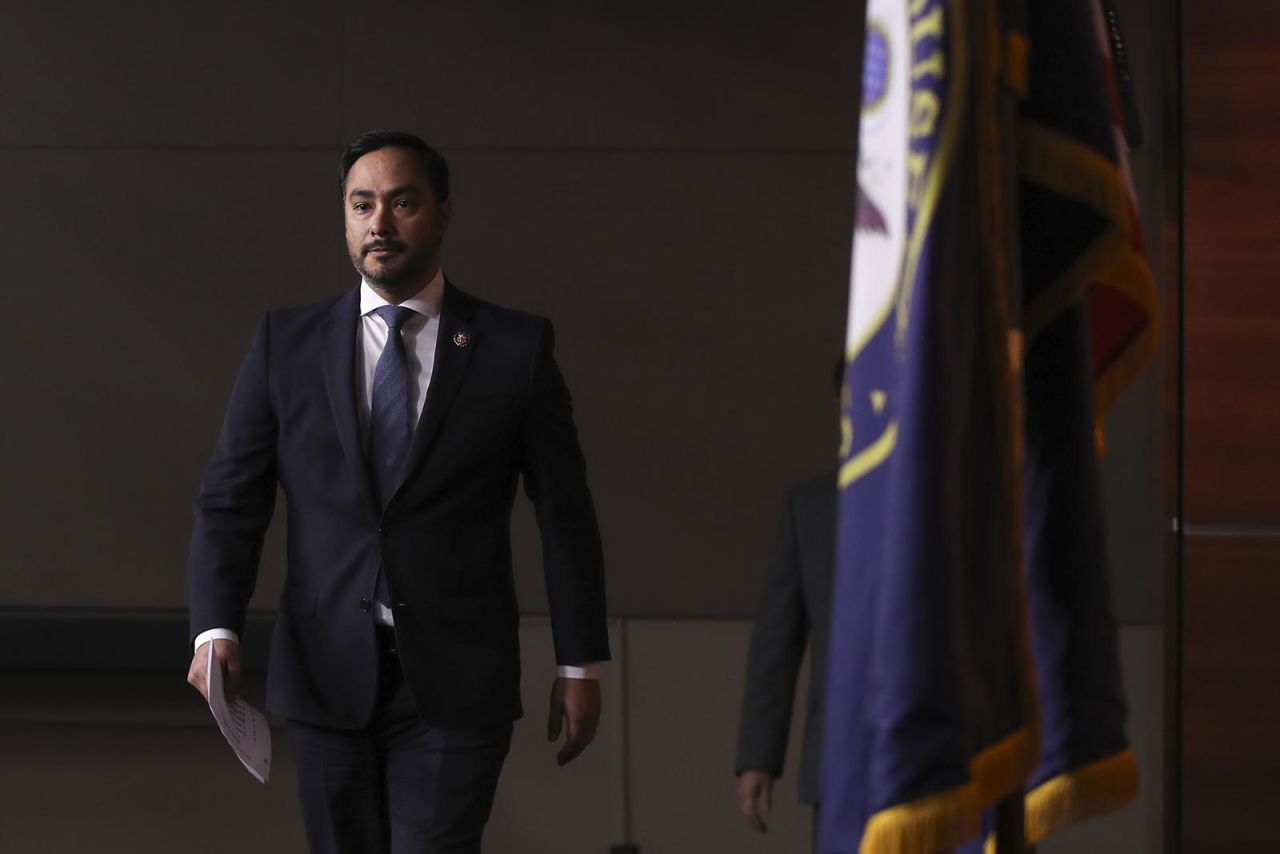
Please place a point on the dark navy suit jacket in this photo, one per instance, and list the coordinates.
(794, 610)
(497, 408)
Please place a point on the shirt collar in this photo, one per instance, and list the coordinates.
(425, 302)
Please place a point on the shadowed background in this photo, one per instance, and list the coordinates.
(670, 182)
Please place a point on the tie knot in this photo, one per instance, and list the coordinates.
(394, 316)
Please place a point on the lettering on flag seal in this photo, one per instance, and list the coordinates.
(904, 145)
(880, 231)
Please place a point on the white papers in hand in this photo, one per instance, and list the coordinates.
(244, 727)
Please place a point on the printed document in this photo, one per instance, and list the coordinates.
(244, 727)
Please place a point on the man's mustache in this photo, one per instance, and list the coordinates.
(382, 244)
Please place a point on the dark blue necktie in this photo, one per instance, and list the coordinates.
(390, 424)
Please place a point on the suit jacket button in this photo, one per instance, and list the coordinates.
(365, 604)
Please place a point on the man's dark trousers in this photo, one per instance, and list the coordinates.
(398, 784)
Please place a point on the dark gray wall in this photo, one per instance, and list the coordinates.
(669, 181)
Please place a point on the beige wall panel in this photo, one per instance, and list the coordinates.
(1138, 534)
(575, 74)
(147, 73)
(542, 808)
(139, 790)
(135, 782)
(79, 699)
(684, 692)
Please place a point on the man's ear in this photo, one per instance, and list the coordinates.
(444, 214)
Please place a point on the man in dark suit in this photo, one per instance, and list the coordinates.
(794, 611)
(397, 419)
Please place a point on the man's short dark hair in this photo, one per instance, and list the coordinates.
(436, 168)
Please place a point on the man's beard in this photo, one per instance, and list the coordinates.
(407, 270)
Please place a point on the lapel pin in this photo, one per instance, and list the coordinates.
(461, 339)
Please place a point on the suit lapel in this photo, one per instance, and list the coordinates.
(454, 344)
(339, 359)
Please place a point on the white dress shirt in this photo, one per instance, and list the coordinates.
(419, 334)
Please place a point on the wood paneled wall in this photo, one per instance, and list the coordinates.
(1232, 232)
(1230, 640)
(1231, 694)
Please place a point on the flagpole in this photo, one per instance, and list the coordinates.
(1000, 82)
(1010, 832)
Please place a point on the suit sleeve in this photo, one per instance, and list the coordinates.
(236, 500)
(555, 479)
(777, 647)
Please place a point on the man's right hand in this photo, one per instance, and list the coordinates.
(755, 798)
(227, 654)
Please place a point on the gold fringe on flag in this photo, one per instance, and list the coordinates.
(1075, 171)
(1081, 793)
(943, 821)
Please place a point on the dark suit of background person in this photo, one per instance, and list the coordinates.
(794, 610)
(399, 733)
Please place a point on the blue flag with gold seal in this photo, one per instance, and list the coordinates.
(930, 716)
(973, 651)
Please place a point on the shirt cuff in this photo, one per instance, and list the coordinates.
(584, 671)
(216, 634)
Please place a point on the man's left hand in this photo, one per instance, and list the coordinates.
(576, 704)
